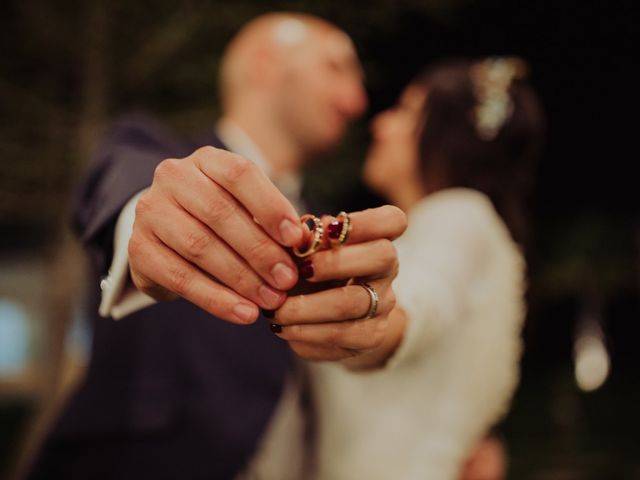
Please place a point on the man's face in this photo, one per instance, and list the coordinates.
(322, 90)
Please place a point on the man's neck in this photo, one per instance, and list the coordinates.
(288, 180)
(279, 152)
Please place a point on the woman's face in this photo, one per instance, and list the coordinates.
(392, 160)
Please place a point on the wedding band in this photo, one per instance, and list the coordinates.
(318, 232)
(373, 295)
(338, 231)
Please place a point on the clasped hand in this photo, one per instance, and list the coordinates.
(213, 229)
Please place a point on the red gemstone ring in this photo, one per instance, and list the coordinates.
(318, 231)
(338, 230)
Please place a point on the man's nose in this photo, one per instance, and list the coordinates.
(353, 101)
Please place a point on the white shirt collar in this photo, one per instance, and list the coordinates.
(237, 141)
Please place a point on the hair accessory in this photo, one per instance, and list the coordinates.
(491, 79)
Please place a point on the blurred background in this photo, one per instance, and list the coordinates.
(67, 68)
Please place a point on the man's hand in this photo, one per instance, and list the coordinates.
(211, 228)
(330, 324)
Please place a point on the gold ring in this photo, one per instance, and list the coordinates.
(375, 300)
(338, 230)
(318, 232)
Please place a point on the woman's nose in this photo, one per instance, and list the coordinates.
(379, 124)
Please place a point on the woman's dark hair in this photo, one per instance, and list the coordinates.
(490, 147)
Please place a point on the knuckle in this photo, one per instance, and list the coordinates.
(205, 151)
(134, 246)
(179, 280)
(350, 353)
(292, 308)
(219, 210)
(197, 243)
(262, 250)
(296, 332)
(243, 280)
(144, 205)
(237, 168)
(391, 300)
(141, 282)
(327, 261)
(165, 169)
(395, 269)
(213, 304)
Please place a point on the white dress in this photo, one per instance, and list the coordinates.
(461, 283)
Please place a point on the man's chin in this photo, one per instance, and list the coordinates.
(328, 143)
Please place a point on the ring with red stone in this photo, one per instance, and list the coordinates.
(318, 232)
(338, 230)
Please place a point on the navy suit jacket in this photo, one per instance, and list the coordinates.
(171, 392)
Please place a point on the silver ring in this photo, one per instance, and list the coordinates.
(375, 300)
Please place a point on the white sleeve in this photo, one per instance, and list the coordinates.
(119, 296)
(457, 366)
(440, 259)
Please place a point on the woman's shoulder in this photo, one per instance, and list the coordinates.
(458, 199)
(458, 217)
(461, 209)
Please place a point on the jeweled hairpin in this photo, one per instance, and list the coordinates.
(491, 79)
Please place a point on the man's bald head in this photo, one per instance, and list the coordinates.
(268, 37)
(298, 72)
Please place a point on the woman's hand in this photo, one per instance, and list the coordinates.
(337, 324)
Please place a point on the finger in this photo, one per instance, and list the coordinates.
(319, 353)
(195, 242)
(163, 267)
(358, 335)
(253, 189)
(383, 222)
(351, 302)
(373, 259)
(220, 212)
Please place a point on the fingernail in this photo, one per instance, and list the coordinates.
(291, 232)
(268, 313)
(306, 269)
(245, 313)
(283, 275)
(275, 328)
(269, 297)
